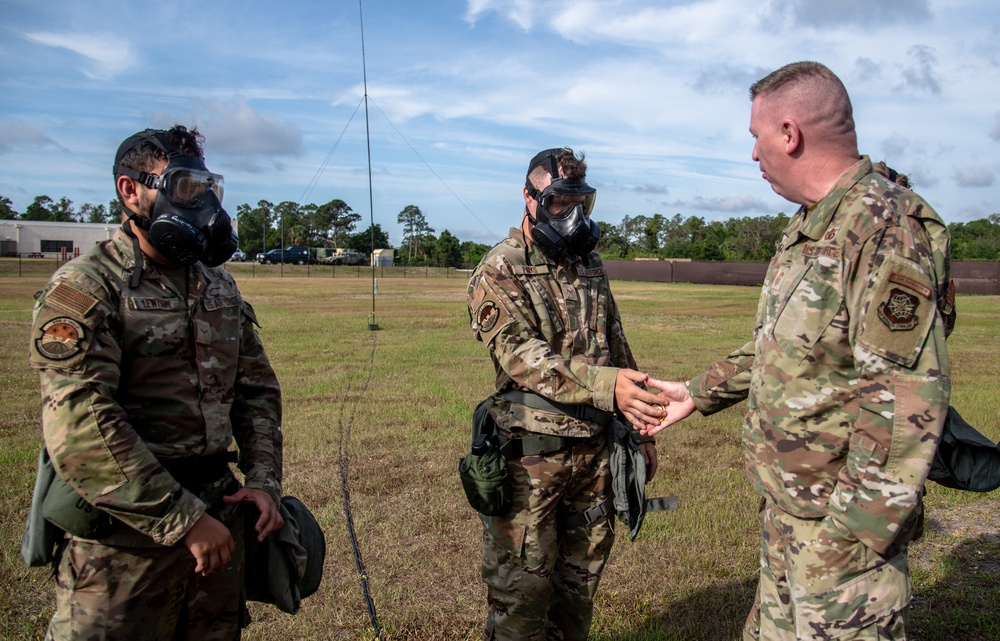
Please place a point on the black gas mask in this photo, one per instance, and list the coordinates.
(188, 223)
(562, 223)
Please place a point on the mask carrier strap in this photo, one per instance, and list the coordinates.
(143, 223)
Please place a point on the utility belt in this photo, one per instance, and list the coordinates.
(484, 470)
(534, 444)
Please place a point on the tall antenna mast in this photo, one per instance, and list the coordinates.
(372, 325)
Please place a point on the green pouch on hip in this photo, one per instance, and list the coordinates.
(69, 511)
(484, 478)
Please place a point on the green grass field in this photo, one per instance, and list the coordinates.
(689, 576)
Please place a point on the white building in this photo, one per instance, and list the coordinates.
(382, 258)
(42, 239)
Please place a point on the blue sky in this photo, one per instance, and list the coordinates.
(463, 92)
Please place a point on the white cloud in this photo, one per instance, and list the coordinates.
(520, 12)
(108, 53)
(995, 132)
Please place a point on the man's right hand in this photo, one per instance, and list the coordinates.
(211, 545)
(681, 404)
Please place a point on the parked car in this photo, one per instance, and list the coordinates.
(296, 255)
(346, 257)
(238, 256)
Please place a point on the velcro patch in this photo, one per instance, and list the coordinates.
(212, 304)
(812, 251)
(530, 270)
(71, 299)
(60, 338)
(149, 304)
(487, 316)
(912, 284)
(584, 272)
(900, 312)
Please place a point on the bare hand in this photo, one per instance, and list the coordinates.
(211, 545)
(679, 405)
(270, 518)
(638, 405)
(648, 450)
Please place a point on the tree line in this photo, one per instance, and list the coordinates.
(334, 224)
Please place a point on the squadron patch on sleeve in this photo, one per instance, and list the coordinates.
(899, 311)
(59, 339)
(487, 316)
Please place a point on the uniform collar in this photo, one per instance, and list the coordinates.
(813, 222)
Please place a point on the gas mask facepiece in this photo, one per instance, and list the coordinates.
(562, 223)
(188, 223)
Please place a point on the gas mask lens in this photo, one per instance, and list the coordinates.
(187, 187)
(561, 205)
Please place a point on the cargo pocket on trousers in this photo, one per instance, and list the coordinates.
(503, 545)
(854, 605)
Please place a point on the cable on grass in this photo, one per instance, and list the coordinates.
(343, 463)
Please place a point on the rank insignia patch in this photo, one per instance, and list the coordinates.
(60, 339)
(897, 313)
(487, 316)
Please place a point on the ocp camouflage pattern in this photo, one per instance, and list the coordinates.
(133, 377)
(847, 376)
(539, 585)
(552, 328)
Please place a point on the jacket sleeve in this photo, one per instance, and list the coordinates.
(256, 412)
(724, 383)
(93, 446)
(504, 318)
(898, 339)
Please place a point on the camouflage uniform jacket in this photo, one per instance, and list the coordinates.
(847, 374)
(132, 377)
(552, 328)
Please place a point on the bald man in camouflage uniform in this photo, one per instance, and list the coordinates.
(553, 331)
(847, 375)
(144, 387)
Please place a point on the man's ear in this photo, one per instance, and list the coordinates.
(129, 190)
(791, 136)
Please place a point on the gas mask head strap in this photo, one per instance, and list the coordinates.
(157, 137)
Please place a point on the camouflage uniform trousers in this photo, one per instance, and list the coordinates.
(152, 593)
(542, 577)
(818, 582)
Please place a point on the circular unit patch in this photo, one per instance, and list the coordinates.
(60, 339)
(487, 316)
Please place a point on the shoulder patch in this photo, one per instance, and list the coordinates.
(71, 299)
(900, 313)
(60, 338)
(487, 316)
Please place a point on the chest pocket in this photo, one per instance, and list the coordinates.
(217, 326)
(806, 301)
(548, 305)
